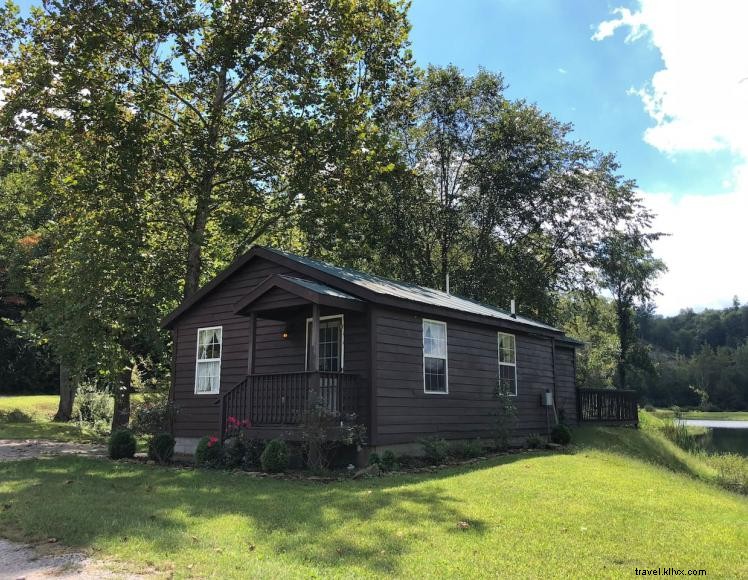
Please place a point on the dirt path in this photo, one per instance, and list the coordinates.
(22, 561)
(13, 449)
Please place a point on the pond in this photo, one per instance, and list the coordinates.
(722, 436)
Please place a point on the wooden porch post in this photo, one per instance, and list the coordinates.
(252, 342)
(314, 339)
(314, 354)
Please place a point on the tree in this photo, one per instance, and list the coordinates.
(184, 129)
(628, 270)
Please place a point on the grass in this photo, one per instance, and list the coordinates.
(710, 415)
(41, 409)
(627, 498)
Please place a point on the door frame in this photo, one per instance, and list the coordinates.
(342, 339)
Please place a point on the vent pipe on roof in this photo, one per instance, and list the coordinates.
(513, 309)
(447, 282)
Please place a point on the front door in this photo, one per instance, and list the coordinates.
(330, 344)
(330, 356)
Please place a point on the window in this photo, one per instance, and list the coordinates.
(330, 343)
(435, 357)
(208, 368)
(508, 363)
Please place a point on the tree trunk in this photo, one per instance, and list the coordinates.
(205, 191)
(624, 337)
(68, 386)
(195, 251)
(121, 417)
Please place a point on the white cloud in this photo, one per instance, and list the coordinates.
(562, 71)
(698, 102)
(706, 251)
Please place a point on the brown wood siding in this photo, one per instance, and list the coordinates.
(406, 413)
(277, 298)
(566, 388)
(197, 415)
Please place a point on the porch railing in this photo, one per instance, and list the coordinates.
(280, 399)
(609, 406)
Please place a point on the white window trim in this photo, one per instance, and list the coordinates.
(342, 339)
(198, 360)
(506, 364)
(446, 358)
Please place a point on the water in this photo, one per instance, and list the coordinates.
(722, 436)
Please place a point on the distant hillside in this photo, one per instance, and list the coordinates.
(700, 359)
(686, 332)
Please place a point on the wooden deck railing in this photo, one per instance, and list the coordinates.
(611, 406)
(281, 399)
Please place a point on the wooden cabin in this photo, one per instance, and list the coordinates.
(409, 361)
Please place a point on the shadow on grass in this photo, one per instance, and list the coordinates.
(368, 524)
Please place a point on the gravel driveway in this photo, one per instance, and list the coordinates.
(13, 449)
(21, 561)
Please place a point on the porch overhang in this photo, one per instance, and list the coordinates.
(283, 292)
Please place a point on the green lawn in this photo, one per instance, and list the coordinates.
(713, 415)
(599, 512)
(41, 408)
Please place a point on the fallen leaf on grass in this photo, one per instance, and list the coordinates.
(251, 547)
(463, 525)
(52, 540)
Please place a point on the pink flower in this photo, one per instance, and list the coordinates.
(212, 441)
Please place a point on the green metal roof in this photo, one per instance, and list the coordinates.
(410, 292)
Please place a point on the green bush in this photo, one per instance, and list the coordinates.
(274, 458)
(152, 416)
(467, 449)
(535, 441)
(121, 444)
(435, 449)
(253, 449)
(732, 470)
(93, 407)
(209, 452)
(16, 416)
(561, 434)
(234, 449)
(374, 458)
(389, 461)
(161, 448)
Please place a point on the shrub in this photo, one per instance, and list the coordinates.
(535, 441)
(234, 449)
(732, 471)
(274, 457)
(93, 407)
(253, 449)
(467, 449)
(561, 434)
(374, 458)
(121, 444)
(505, 415)
(435, 449)
(16, 416)
(161, 448)
(389, 461)
(152, 416)
(209, 452)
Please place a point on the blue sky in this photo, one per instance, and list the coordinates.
(545, 51)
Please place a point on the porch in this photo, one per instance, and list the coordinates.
(308, 345)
